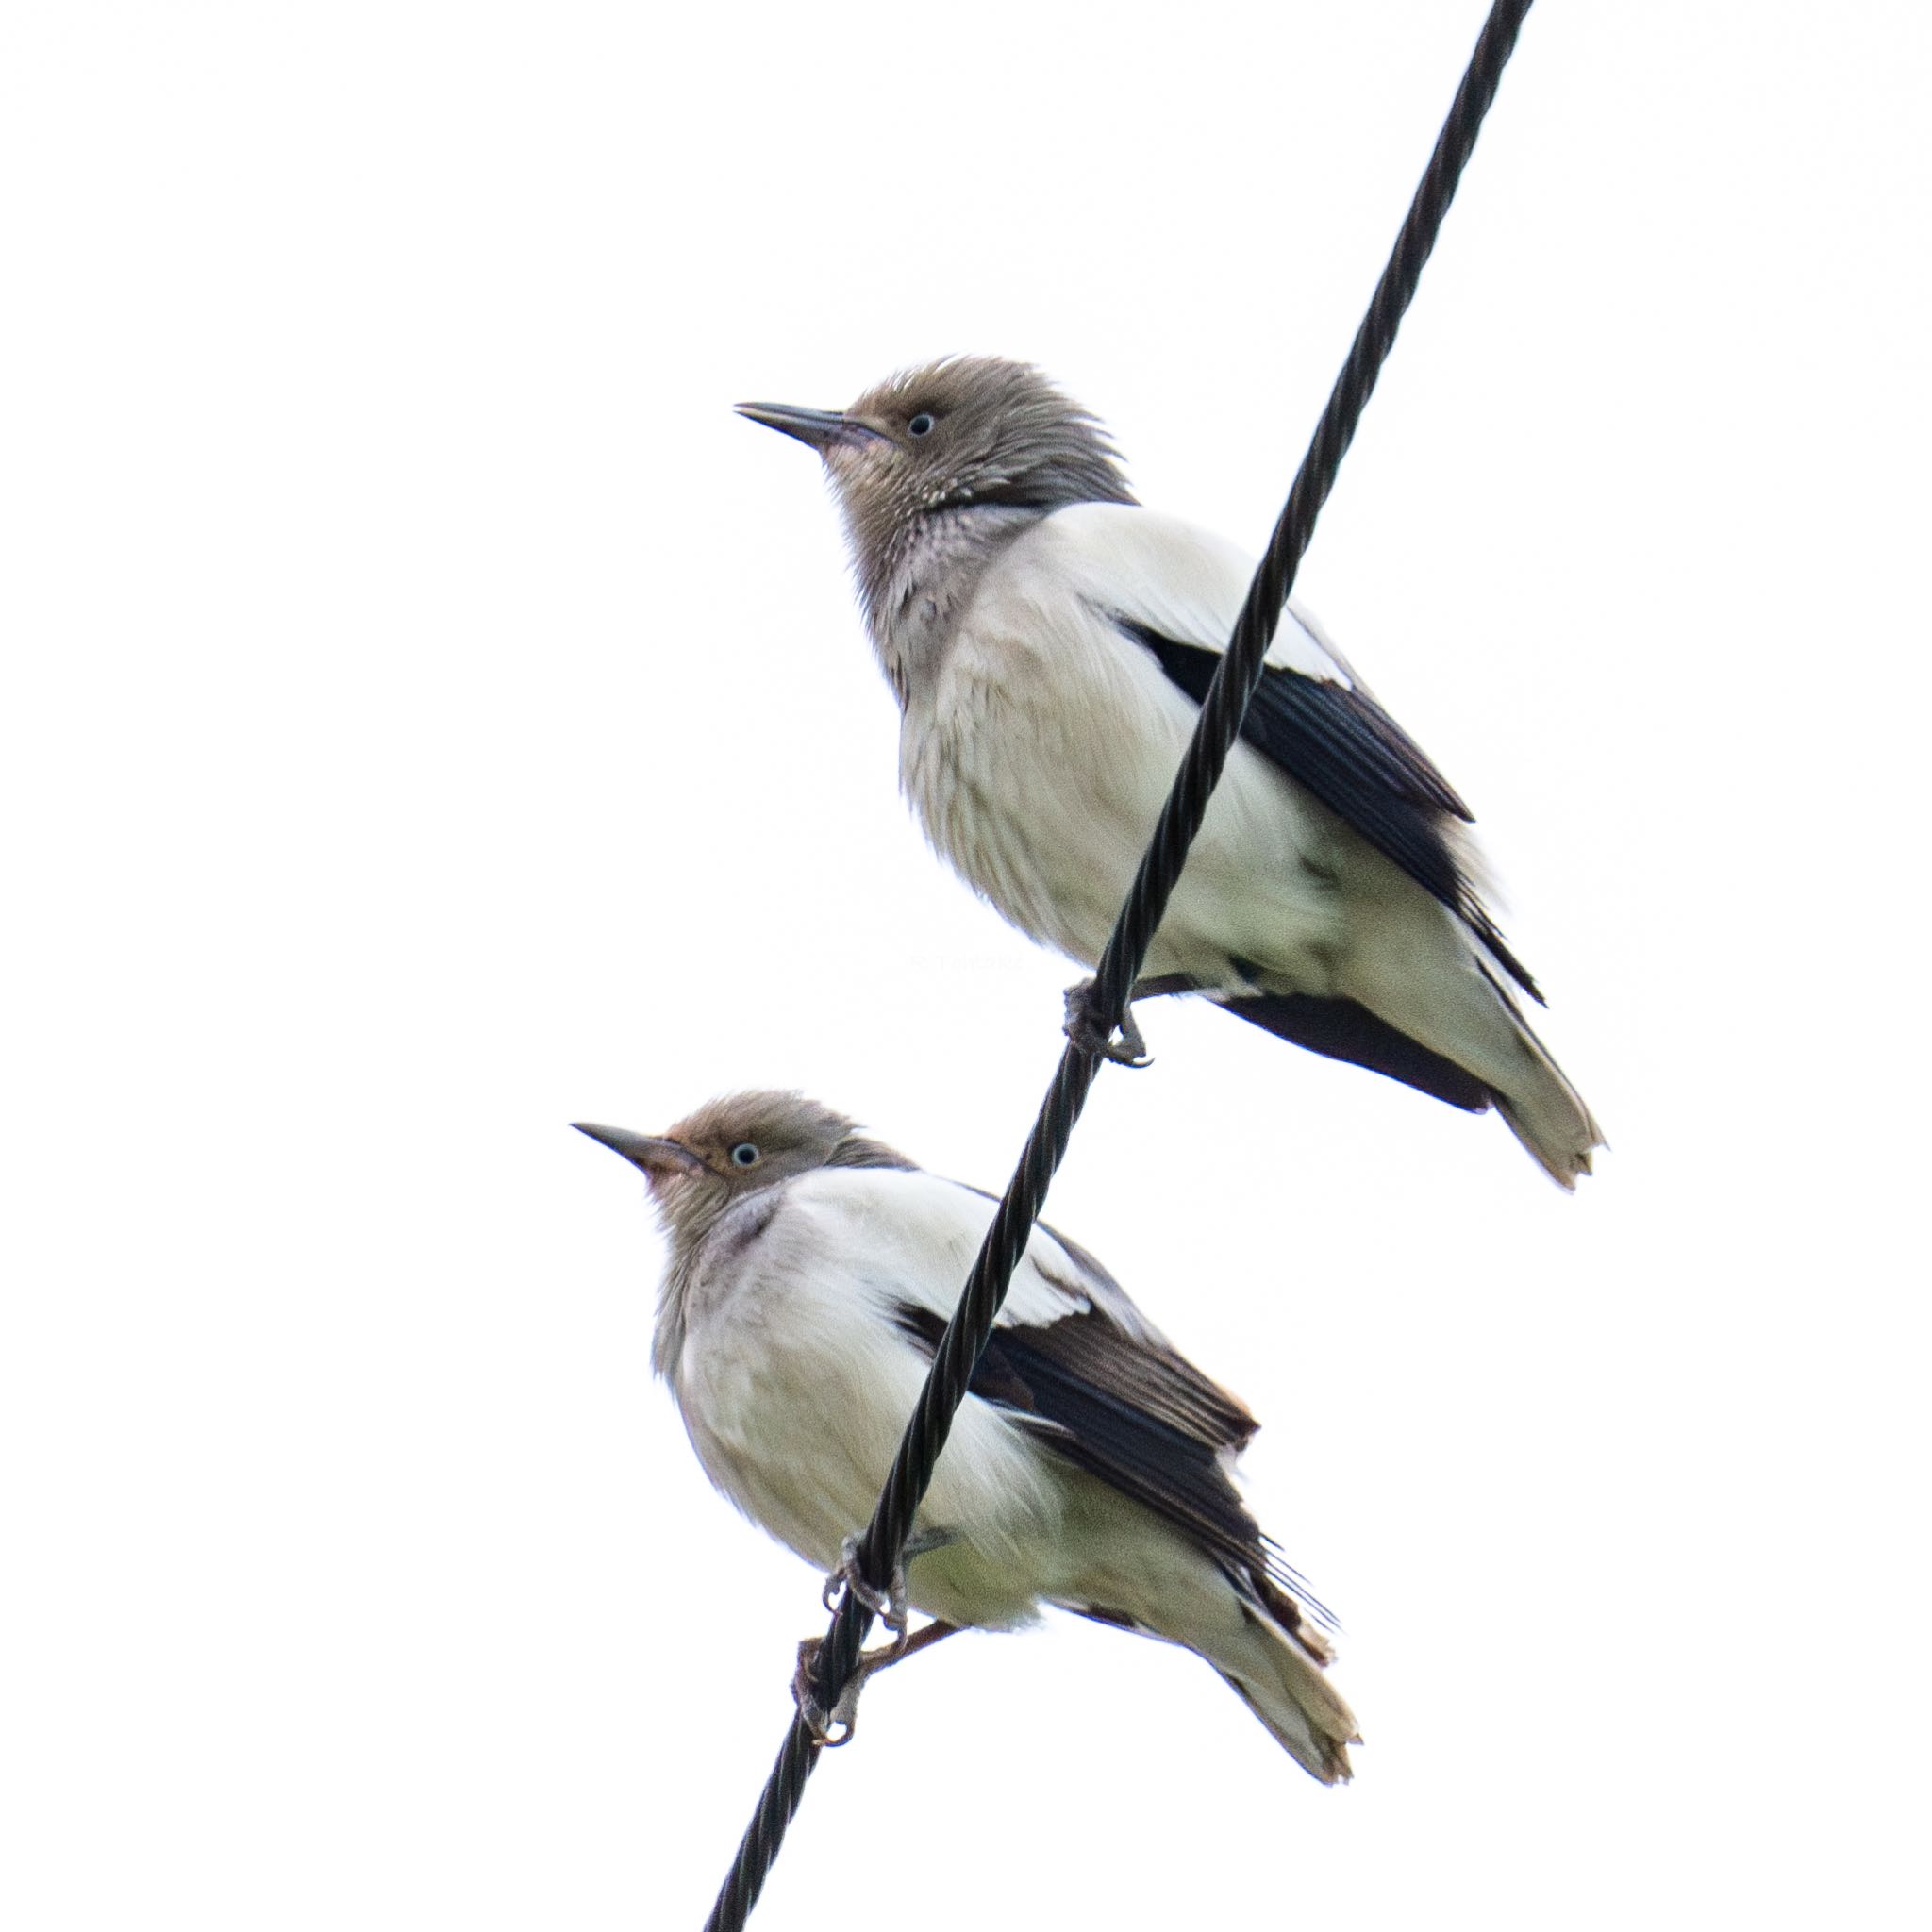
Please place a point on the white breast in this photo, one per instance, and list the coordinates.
(796, 1384)
(1038, 760)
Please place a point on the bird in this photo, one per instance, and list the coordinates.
(1049, 640)
(811, 1272)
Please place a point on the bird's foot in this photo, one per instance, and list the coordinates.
(1123, 1045)
(843, 1715)
(888, 1605)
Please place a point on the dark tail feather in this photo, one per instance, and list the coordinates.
(1347, 1030)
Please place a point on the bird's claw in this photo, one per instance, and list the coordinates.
(843, 1714)
(1122, 1045)
(888, 1605)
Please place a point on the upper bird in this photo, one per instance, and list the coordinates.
(812, 1272)
(1049, 642)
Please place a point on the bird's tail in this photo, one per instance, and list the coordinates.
(1544, 1111)
(1232, 1605)
(1493, 1058)
(1347, 1030)
(1275, 1666)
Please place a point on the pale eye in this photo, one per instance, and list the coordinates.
(921, 425)
(745, 1154)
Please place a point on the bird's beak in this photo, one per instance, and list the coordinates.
(655, 1157)
(817, 428)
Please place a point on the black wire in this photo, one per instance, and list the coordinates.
(1221, 710)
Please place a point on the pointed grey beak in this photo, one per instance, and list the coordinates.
(817, 428)
(655, 1157)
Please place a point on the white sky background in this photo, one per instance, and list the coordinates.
(430, 716)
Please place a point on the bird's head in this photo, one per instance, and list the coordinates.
(968, 430)
(736, 1146)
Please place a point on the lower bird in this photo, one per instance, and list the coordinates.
(812, 1272)
(1049, 642)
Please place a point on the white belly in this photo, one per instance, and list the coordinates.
(1038, 765)
(794, 1392)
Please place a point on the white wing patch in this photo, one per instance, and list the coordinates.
(918, 1234)
(1172, 577)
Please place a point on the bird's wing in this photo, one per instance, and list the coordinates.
(1074, 1361)
(1175, 591)
(1179, 580)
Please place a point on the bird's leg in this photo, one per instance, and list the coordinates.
(1163, 985)
(1128, 1049)
(1090, 1033)
(888, 1605)
(845, 1713)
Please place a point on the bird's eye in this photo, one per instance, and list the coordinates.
(921, 425)
(745, 1154)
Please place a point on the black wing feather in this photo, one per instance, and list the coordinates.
(1345, 1030)
(1144, 1420)
(1360, 762)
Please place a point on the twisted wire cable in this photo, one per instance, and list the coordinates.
(1236, 679)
